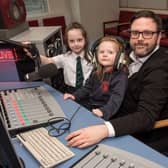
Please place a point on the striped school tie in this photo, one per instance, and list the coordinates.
(79, 73)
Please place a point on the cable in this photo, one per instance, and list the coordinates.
(64, 124)
(75, 112)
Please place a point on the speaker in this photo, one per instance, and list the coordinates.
(120, 60)
(12, 13)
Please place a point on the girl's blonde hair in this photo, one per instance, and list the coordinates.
(99, 69)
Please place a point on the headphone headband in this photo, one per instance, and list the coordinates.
(120, 57)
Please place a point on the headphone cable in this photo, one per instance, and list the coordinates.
(63, 127)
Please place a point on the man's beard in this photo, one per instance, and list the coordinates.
(146, 51)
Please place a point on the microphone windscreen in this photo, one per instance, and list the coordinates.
(45, 71)
(48, 70)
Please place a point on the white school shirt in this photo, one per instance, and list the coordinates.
(67, 61)
(133, 68)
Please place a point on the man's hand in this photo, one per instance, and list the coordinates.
(87, 136)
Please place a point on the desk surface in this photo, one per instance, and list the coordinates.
(37, 34)
(83, 118)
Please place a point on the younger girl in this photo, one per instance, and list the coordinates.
(105, 88)
(77, 46)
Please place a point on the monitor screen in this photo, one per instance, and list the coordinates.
(7, 54)
(8, 156)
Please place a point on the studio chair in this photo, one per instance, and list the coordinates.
(160, 136)
(161, 124)
(33, 23)
(115, 27)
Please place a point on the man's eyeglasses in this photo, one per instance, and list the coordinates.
(145, 34)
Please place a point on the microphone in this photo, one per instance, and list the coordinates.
(45, 71)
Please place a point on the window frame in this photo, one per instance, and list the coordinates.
(36, 10)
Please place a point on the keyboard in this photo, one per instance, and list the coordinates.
(104, 156)
(47, 150)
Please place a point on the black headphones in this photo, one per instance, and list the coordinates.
(120, 57)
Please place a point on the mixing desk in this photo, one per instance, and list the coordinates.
(104, 156)
(119, 152)
(25, 108)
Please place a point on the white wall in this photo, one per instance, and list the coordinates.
(148, 4)
(75, 8)
(56, 8)
(92, 13)
(158, 6)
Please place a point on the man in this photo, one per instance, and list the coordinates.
(146, 98)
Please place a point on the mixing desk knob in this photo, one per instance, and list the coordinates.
(131, 165)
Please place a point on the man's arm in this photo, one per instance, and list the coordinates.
(152, 100)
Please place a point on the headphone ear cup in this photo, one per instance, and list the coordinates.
(119, 61)
(116, 61)
(94, 47)
(93, 50)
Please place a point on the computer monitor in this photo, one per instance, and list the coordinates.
(8, 156)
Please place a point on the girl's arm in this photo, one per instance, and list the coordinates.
(46, 60)
(116, 98)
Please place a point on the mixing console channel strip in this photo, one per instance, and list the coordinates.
(25, 108)
(104, 156)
